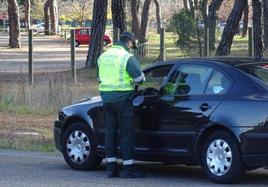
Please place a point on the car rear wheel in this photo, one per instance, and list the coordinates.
(221, 158)
(76, 43)
(105, 43)
(79, 147)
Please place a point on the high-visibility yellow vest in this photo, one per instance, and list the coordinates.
(112, 70)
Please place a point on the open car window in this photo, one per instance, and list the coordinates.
(155, 77)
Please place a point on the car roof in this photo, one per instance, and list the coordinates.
(82, 28)
(234, 61)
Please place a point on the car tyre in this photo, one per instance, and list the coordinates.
(221, 158)
(105, 43)
(76, 43)
(79, 147)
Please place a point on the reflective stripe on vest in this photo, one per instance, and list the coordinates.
(112, 70)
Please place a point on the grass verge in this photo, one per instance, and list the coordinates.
(27, 144)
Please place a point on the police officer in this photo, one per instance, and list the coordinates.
(118, 72)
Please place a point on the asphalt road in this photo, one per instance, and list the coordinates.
(18, 168)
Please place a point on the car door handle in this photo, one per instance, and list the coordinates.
(167, 98)
(146, 107)
(205, 107)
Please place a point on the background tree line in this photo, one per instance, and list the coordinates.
(208, 11)
(185, 15)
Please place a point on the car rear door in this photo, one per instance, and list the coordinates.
(187, 100)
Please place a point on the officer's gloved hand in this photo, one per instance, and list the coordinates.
(98, 79)
(144, 79)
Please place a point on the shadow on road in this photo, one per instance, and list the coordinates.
(194, 174)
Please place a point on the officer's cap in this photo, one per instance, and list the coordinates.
(129, 36)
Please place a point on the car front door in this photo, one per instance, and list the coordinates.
(191, 94)
(145, 104)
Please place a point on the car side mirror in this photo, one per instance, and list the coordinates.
(150, 92)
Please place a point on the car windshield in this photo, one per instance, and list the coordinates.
(258, 70)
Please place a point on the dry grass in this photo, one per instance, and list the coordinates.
(27, 112)
(47, 94)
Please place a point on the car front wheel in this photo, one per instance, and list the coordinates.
(76, 43)
(79, 147)
(221, 158)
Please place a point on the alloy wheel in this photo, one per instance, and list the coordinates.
(78, 147)
(219, 157)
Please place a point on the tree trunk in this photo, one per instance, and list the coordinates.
(53, 16)
(83, 15)
(46, 17)
(158, 16)
(191, 5)
(245, 22)
(145, 19)
(230, 29)
(27, 18)
(212, 11)
(97, 32)
(138, 6)
(185, 4)
(119, 15)
(196, 14)
(14, 27)
(135, 19)
(265, 21)
(203, 10)
(257, 28)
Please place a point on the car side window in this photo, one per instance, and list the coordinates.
(155, 77)
(84, 31)
(218, 84)
(188, 79)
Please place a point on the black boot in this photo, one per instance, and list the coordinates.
(130, 171)
(112, 170)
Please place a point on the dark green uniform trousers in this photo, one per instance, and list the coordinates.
(119, 115)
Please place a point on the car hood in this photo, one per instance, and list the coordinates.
(92, 101)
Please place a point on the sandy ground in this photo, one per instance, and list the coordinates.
(18, 127)
(50, 54)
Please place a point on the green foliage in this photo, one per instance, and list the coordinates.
(21, 2)
(37, 9)
(12, 107)
(27, 144)
(185, 25)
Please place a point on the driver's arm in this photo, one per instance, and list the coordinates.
(134, 70)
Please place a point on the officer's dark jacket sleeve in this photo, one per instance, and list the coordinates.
(134, 70)
(98, 77)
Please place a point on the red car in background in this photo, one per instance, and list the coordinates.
(82, 37)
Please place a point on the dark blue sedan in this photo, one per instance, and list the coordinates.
(208, 112)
